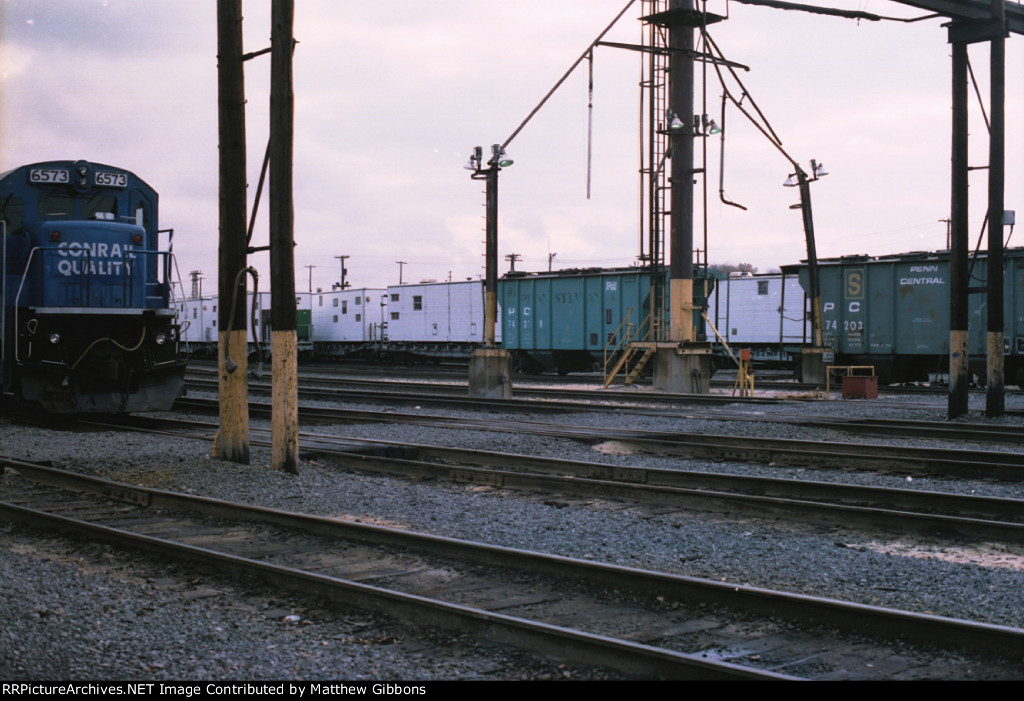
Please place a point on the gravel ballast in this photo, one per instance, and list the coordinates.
(118, 616)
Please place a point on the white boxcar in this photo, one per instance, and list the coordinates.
(348, 316)
(262, 316)
(201, 313)
(762, 312)
(198, 320)
(436, 312)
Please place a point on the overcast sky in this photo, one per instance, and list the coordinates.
(392, 96)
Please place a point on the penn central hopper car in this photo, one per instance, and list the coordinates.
(87, 324)
(892, 312)
(567, 319)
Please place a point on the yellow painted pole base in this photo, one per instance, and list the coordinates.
(232, 441)
(284, 421)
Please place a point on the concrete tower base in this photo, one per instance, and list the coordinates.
(490, 373)
(685, 369)
(813, 365)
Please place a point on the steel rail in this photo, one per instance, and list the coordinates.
(902, 509)
(888, 624)
(889, 509)
(526, 384)
(555, 641)
(557, 400)
(814, 454)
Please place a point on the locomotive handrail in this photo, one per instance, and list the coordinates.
(88, 278)
(17, 299)
(127, 283)
(3, 304)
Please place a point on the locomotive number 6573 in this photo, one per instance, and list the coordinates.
(85, 291)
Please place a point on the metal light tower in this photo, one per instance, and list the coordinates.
(488, 172)
(490, 369)
(681, 362)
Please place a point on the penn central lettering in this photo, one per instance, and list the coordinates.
(924, 279)
(98, 258)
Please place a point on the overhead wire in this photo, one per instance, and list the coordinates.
(565, 75)
(590, 116)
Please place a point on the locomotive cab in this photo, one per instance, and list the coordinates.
(88, 325)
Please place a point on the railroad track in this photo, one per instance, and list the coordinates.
(456, 374)
(893, 510)
(642, 623)
(636, 404)
(975, 464)
(873, 508)
(454, 394)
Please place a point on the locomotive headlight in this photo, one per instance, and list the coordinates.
(55, 338)
(160, 339)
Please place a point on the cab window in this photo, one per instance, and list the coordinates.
(13, 214)
(100, 207)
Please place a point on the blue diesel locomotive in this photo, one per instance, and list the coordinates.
(85, 292)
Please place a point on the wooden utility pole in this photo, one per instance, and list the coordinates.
(995, 400)
(233, 438)
(283, 336)
(959, 282)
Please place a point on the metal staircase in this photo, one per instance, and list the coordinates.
(628, 350)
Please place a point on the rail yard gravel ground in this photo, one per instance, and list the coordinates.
(126, 617)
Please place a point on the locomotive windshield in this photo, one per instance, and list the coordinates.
(13, 214)
(53, 204)
(100, 207)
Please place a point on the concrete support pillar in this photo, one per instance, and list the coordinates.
(490, 373)
(813, 367)
(684, 370)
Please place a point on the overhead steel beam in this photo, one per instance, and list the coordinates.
(780, 5)
(970, 9)
(695, 55)
(954, 9)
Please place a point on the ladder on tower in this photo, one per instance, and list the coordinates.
(628, 351)
(656, 184)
